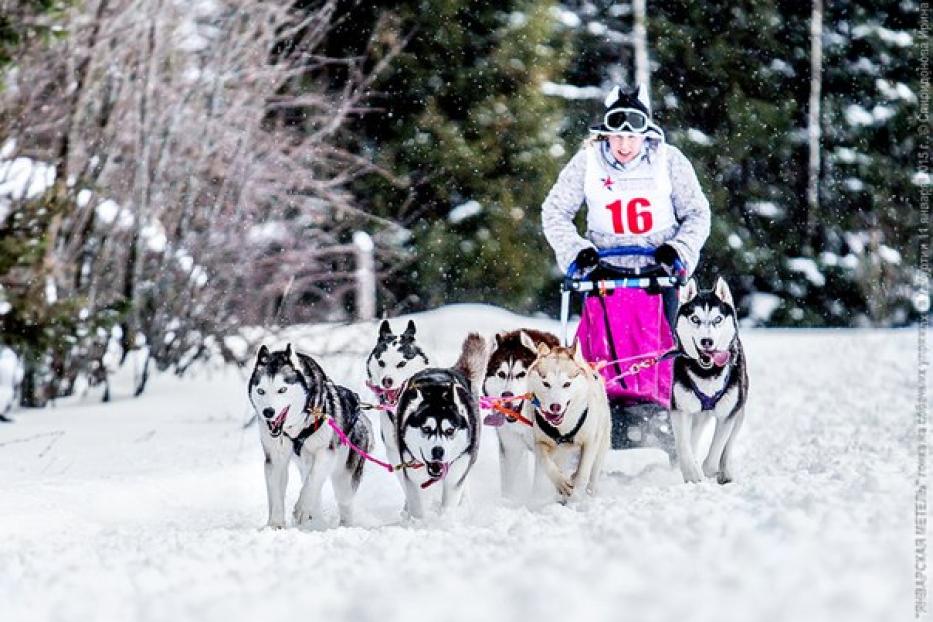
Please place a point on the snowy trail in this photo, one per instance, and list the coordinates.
(149, 509)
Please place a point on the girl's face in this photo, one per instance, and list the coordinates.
(625, 147)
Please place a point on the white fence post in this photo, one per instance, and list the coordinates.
(365, 276)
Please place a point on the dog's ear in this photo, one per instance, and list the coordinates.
(527, 341)
(500, 337)
(288, 351)
(688, 292)
(262, 357)
(385, 330)
(574, 348)
(543, 349)
(409, 330)
(723, 292)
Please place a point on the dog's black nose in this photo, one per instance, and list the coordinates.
(437, 453)
(268, 413)
(706, 343)
(507, 394)
(387, 382)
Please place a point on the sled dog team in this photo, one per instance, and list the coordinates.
(544, 400)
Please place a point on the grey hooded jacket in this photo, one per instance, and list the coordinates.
(690, 207)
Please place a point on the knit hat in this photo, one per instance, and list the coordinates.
(628, 112)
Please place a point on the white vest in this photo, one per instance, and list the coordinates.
(635, 203)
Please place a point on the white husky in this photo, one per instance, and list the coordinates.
(572, 424)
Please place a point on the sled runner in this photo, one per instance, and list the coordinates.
(626, 334)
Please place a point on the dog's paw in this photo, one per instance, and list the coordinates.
(565, 487)
(691, 473)
(724, 477)
(301, 516)
(275, 524)
(710, 469)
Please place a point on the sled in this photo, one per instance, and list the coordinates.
(625, 334)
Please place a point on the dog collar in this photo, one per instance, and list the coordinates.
(317, 420)
(553, 433)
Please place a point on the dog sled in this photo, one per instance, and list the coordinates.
(625, 332)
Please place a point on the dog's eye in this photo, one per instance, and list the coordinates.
(283, 389)
(717, 321)
(501, 374)
(547, 384)
(566, 385)
(426, 430)
(261, 391)
(520, 375)
(381, 363)
(401, 365)
(449, 433)
(695, 320)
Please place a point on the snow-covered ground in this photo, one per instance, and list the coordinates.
(150, 509)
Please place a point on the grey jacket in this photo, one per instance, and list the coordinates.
(690, 207)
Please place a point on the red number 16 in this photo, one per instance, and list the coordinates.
(638, 221)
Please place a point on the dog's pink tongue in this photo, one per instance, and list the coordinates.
(721, 357)
(494, 419)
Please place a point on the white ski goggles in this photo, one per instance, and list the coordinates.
(621, 119)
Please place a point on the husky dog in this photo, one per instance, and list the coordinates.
(437, 427)
(507, 376)
(572, 423)
(392, 361)
(292, 397)
(710, 380)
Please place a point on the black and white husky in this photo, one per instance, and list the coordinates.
(292, 397)
(710, 380)
(437, 427)
(507, 377)
(393, 360)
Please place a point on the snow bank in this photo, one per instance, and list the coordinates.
(150, 509)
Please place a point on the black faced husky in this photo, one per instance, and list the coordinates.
(437, 427)
(710, 380)
(293, 398)
(507, 377)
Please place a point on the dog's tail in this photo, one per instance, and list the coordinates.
(472, 361)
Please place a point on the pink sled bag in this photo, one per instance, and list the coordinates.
(628, 323)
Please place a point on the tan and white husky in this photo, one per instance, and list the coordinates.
(571, 422)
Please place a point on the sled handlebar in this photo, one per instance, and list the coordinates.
(578, 283)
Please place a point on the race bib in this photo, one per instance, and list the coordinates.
(630, 203)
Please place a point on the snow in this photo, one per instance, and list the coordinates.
(895, 91)
(897, 38)
(568, 18)
(698, 137)
(464, 211)
(857, 115)
(768, 209)
(150, 509)
(25, 178)
(808, 268)
(761, 306)
(568, 91)
(888, 254)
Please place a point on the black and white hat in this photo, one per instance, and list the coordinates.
(628, 112)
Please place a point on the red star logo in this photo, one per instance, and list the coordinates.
(607, 182)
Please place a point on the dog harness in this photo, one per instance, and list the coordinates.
(553, 433)
(708, 402)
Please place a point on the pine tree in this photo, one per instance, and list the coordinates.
(462, 125)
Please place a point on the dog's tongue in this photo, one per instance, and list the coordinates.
(721, 357)
(495, 419)
(281, 418)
